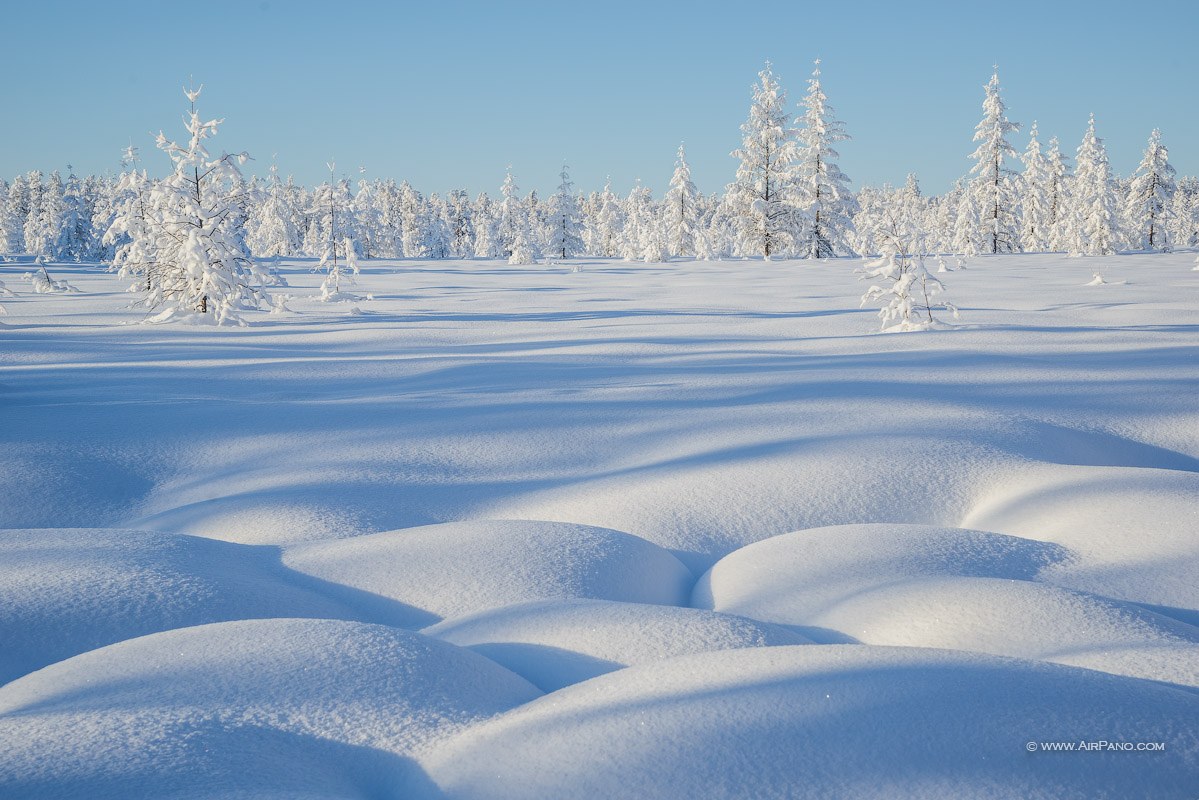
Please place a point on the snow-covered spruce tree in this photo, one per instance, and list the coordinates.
(485, 217)
(75, 225)
(437, 229)
(609, 224)
(512, 217)
(1091, 225)
(200, 264)
(524, 249)
(414, 222)
(680, 209)
(761, 195)
(991, 189)
(12, 235)
(1059, 198)
(562, 220)
(967, 221)
(908, 292)
(638, 218)
(460, 220)
(1150, 196)
(821, 188)
(19, 200)
(41, 220)
(1035, 187)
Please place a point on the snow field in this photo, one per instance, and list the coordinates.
(746, 545)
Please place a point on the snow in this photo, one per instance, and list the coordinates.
(830, 721)
(260, 708)
(555, 643)
(221, 542)
(461, 568)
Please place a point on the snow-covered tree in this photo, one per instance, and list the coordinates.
(75, 223)
(821, 188)
(1035, 189)
(1059, 198)
(1091, 226)
(608, 226)
(12, 236)
(513, 221)
(271, 228)
(485, 217)
(991, 190)
(761, 195)
(903, 285)
(460, 221)
(639, 218)
(1183, 219)
(680, 209)
(335, 257)
(200, 264)
(1149, 198)
(524, 251)
(562, 220)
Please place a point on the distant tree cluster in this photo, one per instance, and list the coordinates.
(200, 237)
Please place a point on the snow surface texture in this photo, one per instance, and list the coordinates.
(340, 554)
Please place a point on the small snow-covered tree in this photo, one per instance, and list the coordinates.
(524, 251)
(562, 220)
(1091, 226)
(908, 292)
(761, 195)
(199, 262)
(680, 209)
(991, 190)
(335, 261)
(821, 188)
(1149, 197)
(1035, 189)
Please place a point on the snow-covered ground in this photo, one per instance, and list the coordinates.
(604, 529)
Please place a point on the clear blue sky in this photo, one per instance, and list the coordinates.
(447, 94)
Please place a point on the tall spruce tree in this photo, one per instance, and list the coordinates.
(760, 197)
(821, 188)
(680, 209)
(991, 189)
(1150, 195)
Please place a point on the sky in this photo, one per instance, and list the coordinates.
(448, 94)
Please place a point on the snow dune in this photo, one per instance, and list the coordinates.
(462, 568)
(259, 708)
(555, 643)
(830, 721)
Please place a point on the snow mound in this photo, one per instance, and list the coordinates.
(798, 576)
(67, 591)
(261, 708)
(555, 643)
(943, 587)
(832, 721)
(1132, 530)
(460, 568)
